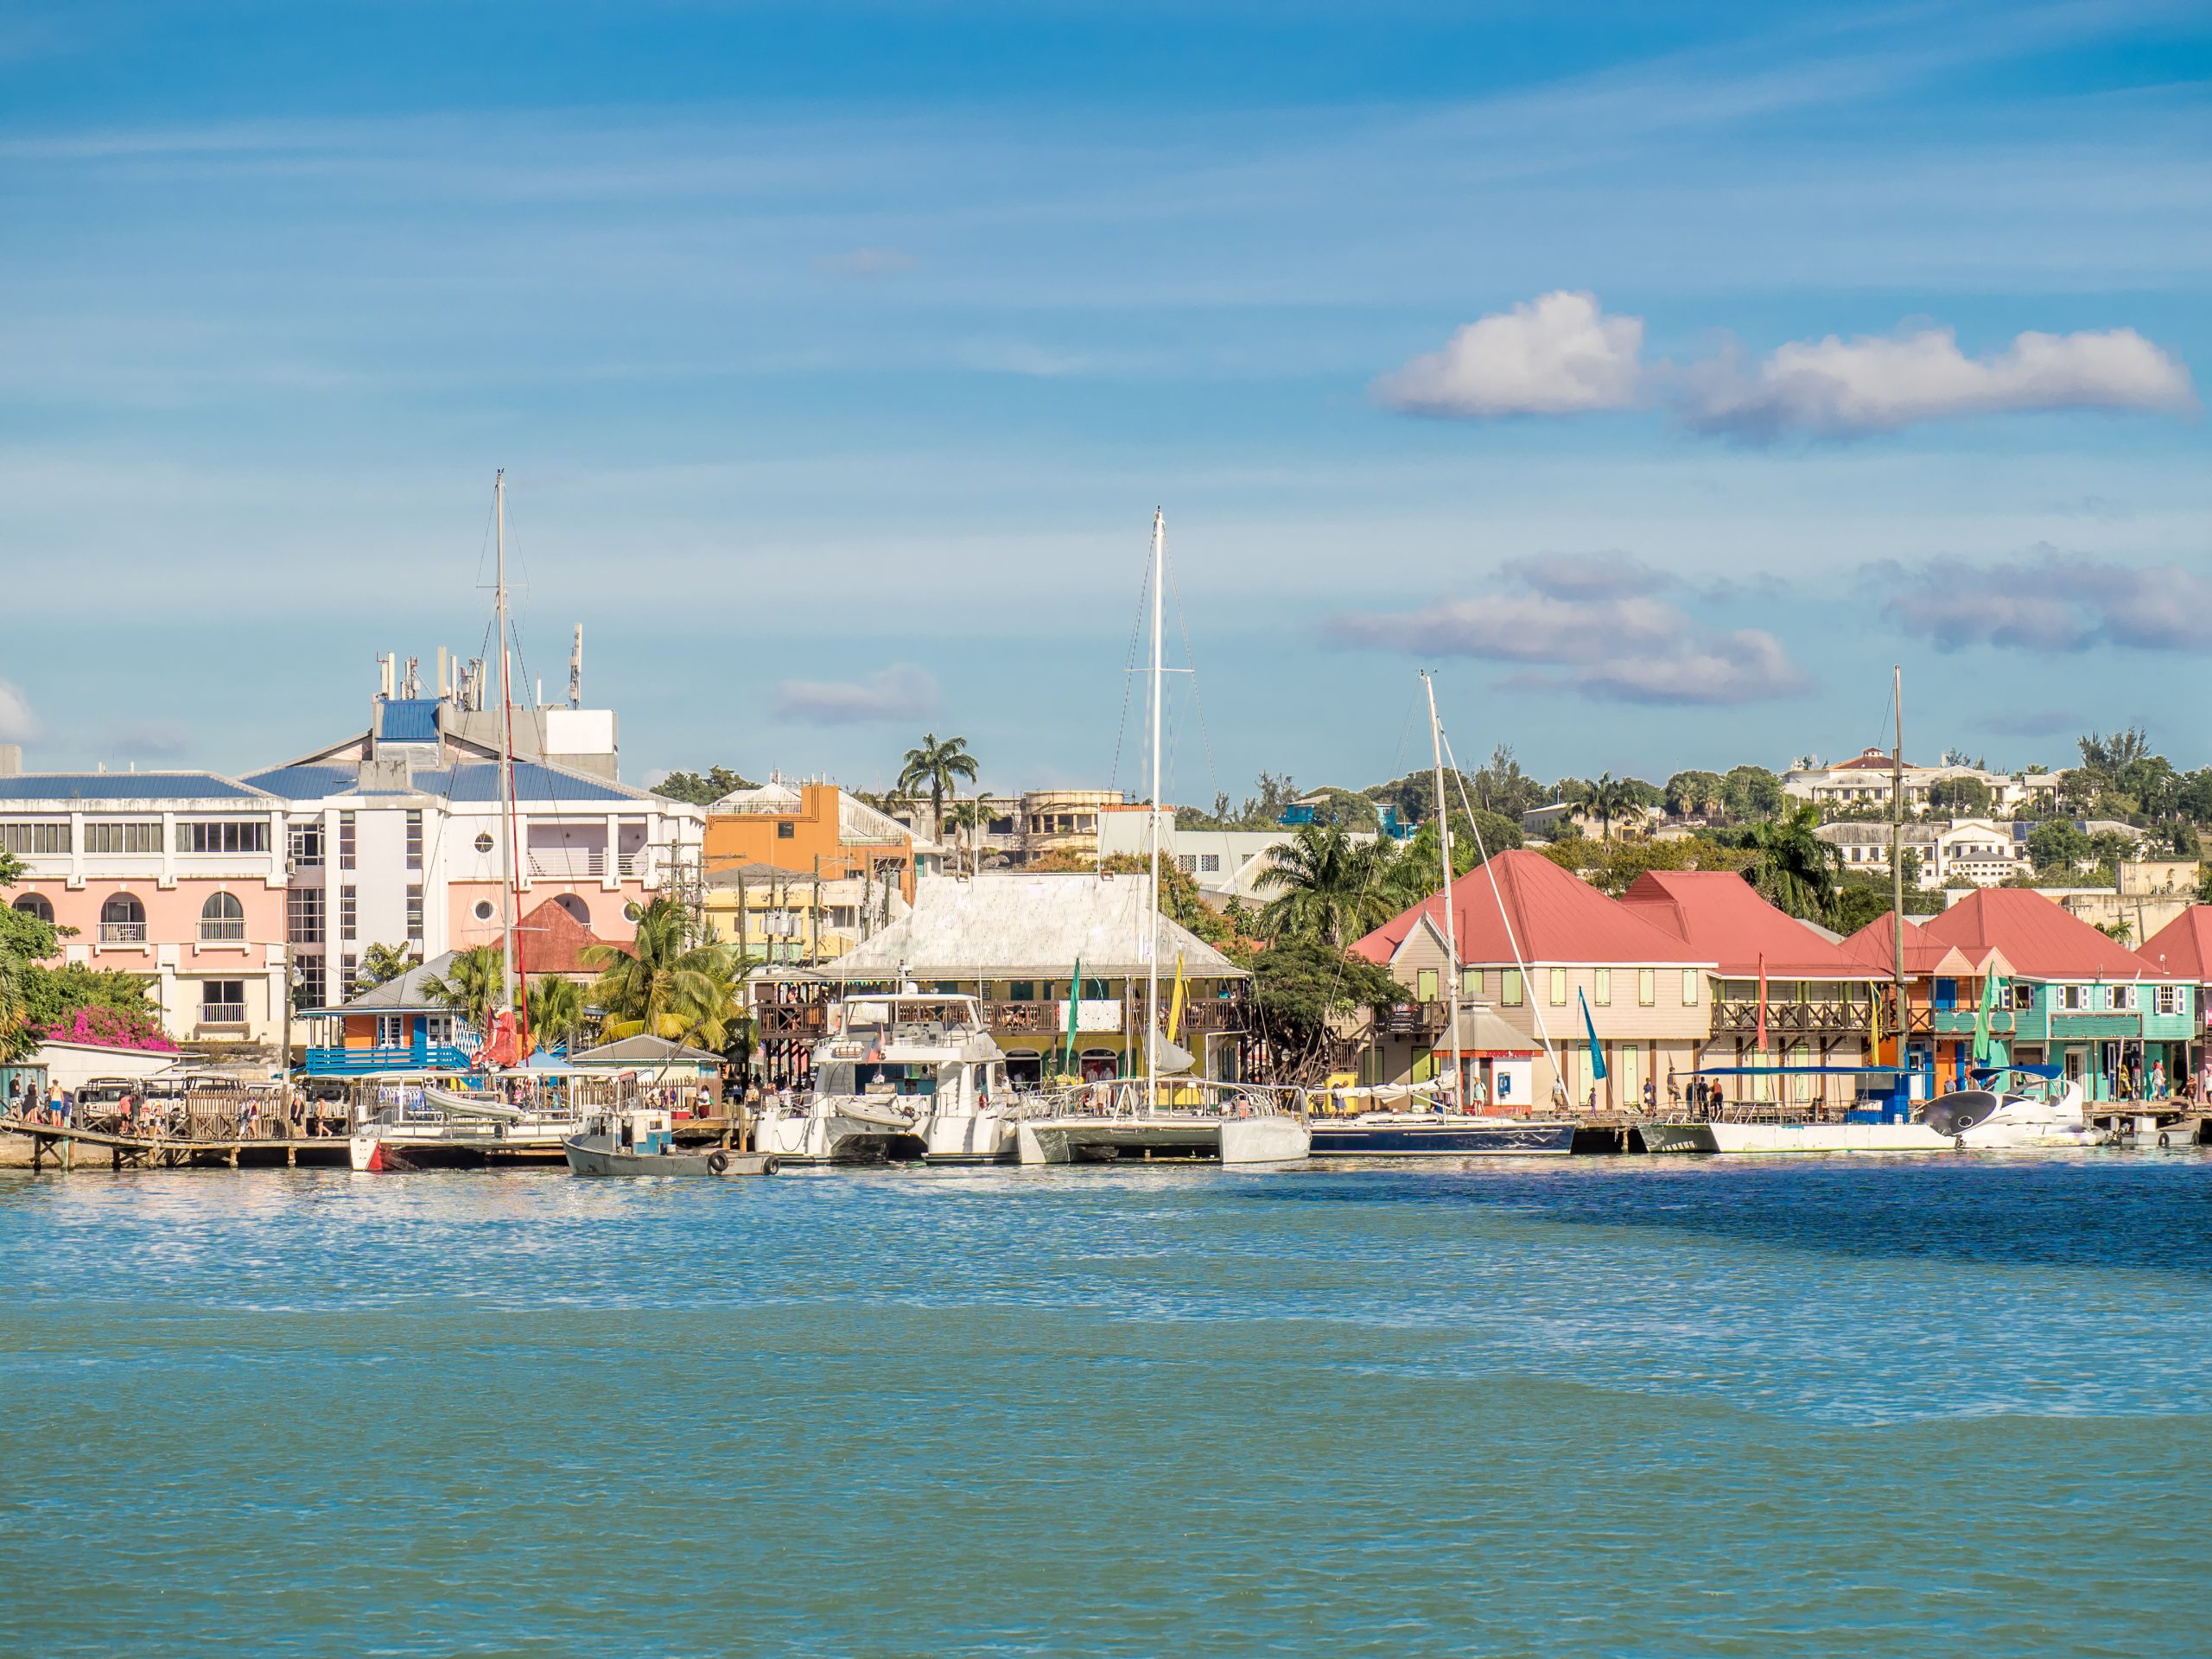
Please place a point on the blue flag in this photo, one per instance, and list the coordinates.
(1597, 1049)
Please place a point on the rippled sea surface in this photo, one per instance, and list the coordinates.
(1638, 1407)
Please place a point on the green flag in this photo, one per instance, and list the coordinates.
(1982, 1015)
(1075, 1001)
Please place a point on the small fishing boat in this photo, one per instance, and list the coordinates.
(644, 1143)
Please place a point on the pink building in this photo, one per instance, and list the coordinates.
(178, 876)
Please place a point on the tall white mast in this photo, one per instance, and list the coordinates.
(507, 758)
(1152, 943)
(1444, 858)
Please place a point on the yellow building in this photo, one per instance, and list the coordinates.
(787, 916)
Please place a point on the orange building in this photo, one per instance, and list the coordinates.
(813, 829)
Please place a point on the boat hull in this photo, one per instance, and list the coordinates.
(590, 1156)
(1377, 1136)
(1256, 1140)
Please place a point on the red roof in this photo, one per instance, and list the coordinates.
(2184, 946)
(1869, 760)
(1722, 918)
(1875, 945)
(2041, 939)
(1557, 918)
(550, 941)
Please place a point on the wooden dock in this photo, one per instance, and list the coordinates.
(57, 1145)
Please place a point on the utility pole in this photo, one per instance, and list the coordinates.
(1896, 860)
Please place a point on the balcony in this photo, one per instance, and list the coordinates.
(123, 932)
(577, 864)
(1791, 1019)
(221, 1013)
(1413, 1020)
(800, 1022)
(395, 1056)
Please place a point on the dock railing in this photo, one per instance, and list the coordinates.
(1129, 1097)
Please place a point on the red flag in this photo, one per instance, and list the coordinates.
(1762, 999)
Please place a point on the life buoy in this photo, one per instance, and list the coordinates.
(718, 1161)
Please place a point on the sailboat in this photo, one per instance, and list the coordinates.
(516, 1115)
(1432, 1120)
(1167, 1113)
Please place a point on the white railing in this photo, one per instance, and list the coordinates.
(123, 932)
(572, 864)
(1188, 1097)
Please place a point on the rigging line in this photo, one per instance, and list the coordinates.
(1191, 659)
(1129, 670)
(1536, 1008)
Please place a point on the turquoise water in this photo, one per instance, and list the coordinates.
(1638, 1406)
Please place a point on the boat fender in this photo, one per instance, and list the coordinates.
(770, 1166)
(2164, 1139)
(718, 1161)
(1958, 1143)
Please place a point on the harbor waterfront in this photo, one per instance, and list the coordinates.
(1942, 1405)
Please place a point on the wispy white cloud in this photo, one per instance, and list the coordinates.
(1557, 354)
(900, 691)
(1835, 388)
(2049, 600)
(1562, 355)
(1617, 646)
(18, 723)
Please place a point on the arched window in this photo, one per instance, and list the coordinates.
(574, 907)
(123, 920)
(221, 919)
(36, 905)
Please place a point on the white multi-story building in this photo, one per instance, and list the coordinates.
(395, 837)
(1865, 781)
(1953, 852)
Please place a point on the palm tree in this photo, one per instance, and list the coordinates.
(973, 816)
(1329, 887)
(557, 1010)
(381, 963)
(471, 985)
(1610, 798)
(936, 769)
(1791, 866)
(668, 985)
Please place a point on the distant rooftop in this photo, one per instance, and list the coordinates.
(126, 786)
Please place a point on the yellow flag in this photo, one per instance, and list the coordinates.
(1175, 1002)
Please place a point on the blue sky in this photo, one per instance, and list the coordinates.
(838, 355)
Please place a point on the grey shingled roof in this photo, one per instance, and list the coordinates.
(642, 1050)
(1019, 926)
(403, 995)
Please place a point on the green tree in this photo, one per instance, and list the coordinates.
(1328, 886)
(557, 1013)
(667, 983)
(1966, 798)
(936, 769)
(25, 942)
(1908, 862)
(1751, 794)
(2056, 848)
(471, 985)
(1693, 794)
(970, 819)
(380, 964)
(1298, 987)
(700, 788)
(1612, 799)
(1791, 866)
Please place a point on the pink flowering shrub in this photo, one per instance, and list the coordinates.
(105, 1028)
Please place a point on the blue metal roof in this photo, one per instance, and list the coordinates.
(408, 720)
(124, 786)
(307, 783)
(473, 782)
(478, 781)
